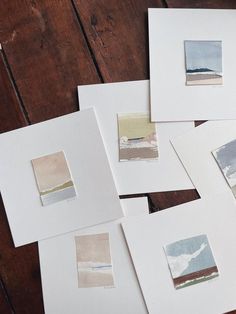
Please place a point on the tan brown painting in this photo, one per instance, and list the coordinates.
(53, 178)
(94, 260)
(137, 137)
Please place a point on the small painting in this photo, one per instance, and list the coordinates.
(191, 261)
(137, 137)
(94, 260)
(225, 157)
(203, 61)
(53, 178)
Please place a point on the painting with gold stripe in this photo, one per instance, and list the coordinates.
(53, 178)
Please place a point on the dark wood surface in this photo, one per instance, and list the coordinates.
(48, 48)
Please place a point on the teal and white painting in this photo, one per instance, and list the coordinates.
(191, 261)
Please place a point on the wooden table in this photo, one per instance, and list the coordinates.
(48, 48)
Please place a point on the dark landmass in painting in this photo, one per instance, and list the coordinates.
(199, 70)
(193, 278)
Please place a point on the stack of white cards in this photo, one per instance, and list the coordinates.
(100, 254)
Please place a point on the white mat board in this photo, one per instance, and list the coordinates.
(76, 134)
(195, 148)
(146, 237)
(171, 99)
(59, 272)
(164, 174)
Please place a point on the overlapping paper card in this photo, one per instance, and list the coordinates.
(208, 153)
(193, 82)
(140, 153)
(184, 264)
(94, 267)
(48, 172)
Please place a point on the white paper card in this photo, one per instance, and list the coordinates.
(171, 98)
(164, 174)
(59, 272)
(78, 136)
(147, 236)
(195, 150)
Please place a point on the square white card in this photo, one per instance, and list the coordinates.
(147, 237)
(78, 136)
(195, 150)
(164, 174)
(171, 98)
(59, 272)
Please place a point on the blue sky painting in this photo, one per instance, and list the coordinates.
(191, 261)
(203, 61)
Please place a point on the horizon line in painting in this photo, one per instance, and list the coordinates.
(137, 137)
(94, 262)
(203, 60)
(53, 178)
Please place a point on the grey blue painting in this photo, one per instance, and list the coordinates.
(225, 157)
(203, 60)
(53, 178)
(191, 261)
(94, 260)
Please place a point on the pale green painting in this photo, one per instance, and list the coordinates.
(137, 137)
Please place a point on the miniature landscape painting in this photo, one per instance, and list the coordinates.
(94, 260)
(137, 137)
(225, 157)
(203, 61)
(53, 178)
(191, 261)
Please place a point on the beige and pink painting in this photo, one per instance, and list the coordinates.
(53, 178)
(94, 260)
(137, 137)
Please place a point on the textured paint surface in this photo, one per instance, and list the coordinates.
(225, 157)
(203, 61)
(53, 178)
(94, 261)
(190, 261)
(137, 137)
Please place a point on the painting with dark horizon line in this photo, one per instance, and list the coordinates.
(225, 157)
(203, 60)
(191, 261)
(137, 137)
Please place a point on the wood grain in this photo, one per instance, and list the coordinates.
(19, 268)
(51, 46)
(118, 34)
(11, 114)
(211, 4)
(47, 56)
(20, 271)
(162, 200)
(47, 53)
(5, 306)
